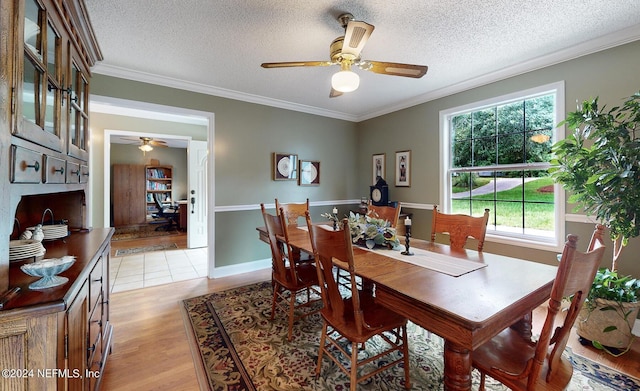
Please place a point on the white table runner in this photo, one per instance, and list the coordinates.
(323, 226)
(428, 259)
(434, 261)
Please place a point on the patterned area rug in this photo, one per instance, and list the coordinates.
(146, 249)
(142, 231)
(241, 349)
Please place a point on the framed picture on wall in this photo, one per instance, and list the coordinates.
(309, 173)
(403, 168)
(285, 166)
(378, 165)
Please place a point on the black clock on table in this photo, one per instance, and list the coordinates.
(379, 193)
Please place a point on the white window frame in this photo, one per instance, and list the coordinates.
(554, 243)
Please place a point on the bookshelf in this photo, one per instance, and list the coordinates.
(159, 181)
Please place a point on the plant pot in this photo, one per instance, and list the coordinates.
(592, 322)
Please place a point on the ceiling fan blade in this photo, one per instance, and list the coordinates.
(157, 143)
(296, 64)
(355, 37)
(394, 68)
(334, 93)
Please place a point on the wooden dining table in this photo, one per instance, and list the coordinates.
(465, 310)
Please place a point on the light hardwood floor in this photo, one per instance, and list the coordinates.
(151, 350)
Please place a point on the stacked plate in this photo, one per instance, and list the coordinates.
(54, 231)
(21, 249)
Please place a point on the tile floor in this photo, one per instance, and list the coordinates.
(156, 268)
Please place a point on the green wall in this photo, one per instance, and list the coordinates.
(611, 74)
(245, 137)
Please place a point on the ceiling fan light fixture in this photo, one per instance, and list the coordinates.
(345, 81)
(145, 148)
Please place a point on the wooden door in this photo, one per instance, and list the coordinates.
(129, 202)
(198, 156)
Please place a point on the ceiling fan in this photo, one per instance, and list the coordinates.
(345, 51)
(147, 143)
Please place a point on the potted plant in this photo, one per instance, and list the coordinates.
(599, 164)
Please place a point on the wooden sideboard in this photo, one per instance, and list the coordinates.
(59, 338)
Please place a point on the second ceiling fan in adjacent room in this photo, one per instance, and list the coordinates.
(146, 143)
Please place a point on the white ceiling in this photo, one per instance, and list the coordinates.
(217, 46)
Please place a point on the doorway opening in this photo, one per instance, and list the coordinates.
(201, 188)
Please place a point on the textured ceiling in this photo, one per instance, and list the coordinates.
(217, 46)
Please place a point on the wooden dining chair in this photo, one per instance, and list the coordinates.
(389, 213)
(520, 364)
(293, 212)
(290, 278)
(356, 316)
(459, 227)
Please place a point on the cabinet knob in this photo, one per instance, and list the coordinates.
(60, 170)
(35, 165)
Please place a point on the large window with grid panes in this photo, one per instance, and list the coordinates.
(495, 155)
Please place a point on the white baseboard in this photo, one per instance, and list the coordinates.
(225, 271)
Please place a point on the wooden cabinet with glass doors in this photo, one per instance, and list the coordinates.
(78, 111)
(38, 99)
(47, 48)
(51, 84)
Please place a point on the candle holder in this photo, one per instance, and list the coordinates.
(407, 237)
(333, 217)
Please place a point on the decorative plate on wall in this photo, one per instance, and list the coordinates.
(309, 173)
(285, 166)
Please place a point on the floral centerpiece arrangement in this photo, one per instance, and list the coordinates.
(367, 230)
(372, 231)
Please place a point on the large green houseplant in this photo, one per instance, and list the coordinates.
(599, 164)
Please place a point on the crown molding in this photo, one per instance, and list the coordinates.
(602, 43)
(609, 41)
(144, 77)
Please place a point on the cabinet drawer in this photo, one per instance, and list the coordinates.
(73, 172)
(84, 173)
(95, 284)
(26, 165)
(54, 170)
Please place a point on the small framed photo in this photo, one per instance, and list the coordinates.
(403, 168)
(309, 173)
(285, 166)
(378, 164)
